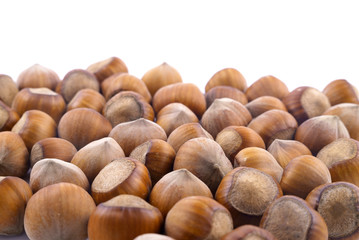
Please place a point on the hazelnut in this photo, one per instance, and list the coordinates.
(161, 76)
(319, 131)
(107, 67)
(263, 104)
(341, 91)
(249, 232)
(227, 77)
(267, 86)
(174, 115)
(38, 76)
(285, 150)
(301, 220)
(87, 98)
(302, 174)
(174, 186)
(306, 102)
(8, 89)
(121, 176)
(42, 99)
(58, 211)
(81, 126)
(186, 93)
(342, 158)
(75, 81)
(338, 204)
(274, 124)
(127, 106)
(51, 170)
(93, 157)
(33, 126)
(225, 92)
(52, 148)
(247, 192)
(260, 159)
(8, 117)
(198, 217)
(205, 159)
(349, 115)
(124, 217)
(13, 155)
(124, 82)
(233, 139)
(186, 132)
(131, 134)
(232, 113)
(157, 155)
(15, 193)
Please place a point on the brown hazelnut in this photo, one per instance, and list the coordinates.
(124, 82)
(233, 139)
(186, 132)
(157, 155)
(338, 204)
(107, 67)
(319, 131)
(302, 174)
(8, 117)
(260, 159)
(186, 93)
(33, 126)
(174, 186)
(341, 91)
(93, 157)
(87, 98)
(227, 77)
(205, 159)
(81, 126)
(285, 150)
(349, 115)
(342, 158)
(121, 176)
(225, 92)
(131, 134)
(38, 76)
(42, 99)
(198, 217)
(51, 170)
(301, 220)
(58, 211)
(75, 81)
(306, 102)
(13, 155)
(267, 86)
(174, 115)
(127, 106)
(247, 192)
(274, 124)
(15, 193)
(52, 148)
(161, 76)
(232, 113)
(8, 89)
(263, 104)
(124, 217)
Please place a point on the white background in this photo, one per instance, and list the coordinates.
(300, 42)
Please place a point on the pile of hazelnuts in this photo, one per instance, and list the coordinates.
(102, 154)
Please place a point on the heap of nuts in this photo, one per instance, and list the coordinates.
(102, 154)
